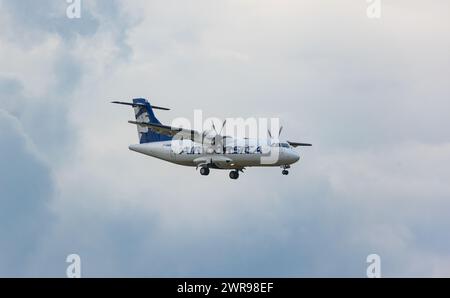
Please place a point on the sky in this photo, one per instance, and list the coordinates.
(371, 94)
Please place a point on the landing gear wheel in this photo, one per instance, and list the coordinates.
(285, 172)
(234, 175)
(204, 171)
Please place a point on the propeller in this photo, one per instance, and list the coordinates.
(214, 127)
(214, 138)
(218, 139)
(279, 132)
(293, 144)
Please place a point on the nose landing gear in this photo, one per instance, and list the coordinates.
(285, 171)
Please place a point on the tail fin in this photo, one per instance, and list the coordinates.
(144, 113)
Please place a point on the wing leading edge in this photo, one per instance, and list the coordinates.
(295, 144)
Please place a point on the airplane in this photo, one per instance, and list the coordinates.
(208, 149)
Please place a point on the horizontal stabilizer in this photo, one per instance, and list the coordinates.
(139, 105)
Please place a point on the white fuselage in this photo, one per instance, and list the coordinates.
(234, 155)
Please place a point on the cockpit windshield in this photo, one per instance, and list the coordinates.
(283, 145)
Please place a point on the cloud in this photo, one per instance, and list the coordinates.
(42, 86)
(26, 189)
(369, 94)
(47, 17)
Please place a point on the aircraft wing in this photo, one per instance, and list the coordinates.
(171, 131)
(295, 144)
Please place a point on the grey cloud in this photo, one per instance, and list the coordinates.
(25, 191)
(34, 19)
(371, 96)
(45, 117)
(42, 118)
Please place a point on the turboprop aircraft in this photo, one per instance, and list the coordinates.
(207, 149)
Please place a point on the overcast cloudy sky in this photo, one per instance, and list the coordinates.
(372, 95)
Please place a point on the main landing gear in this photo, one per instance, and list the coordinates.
(234, 174)
(285, 172)
(204, 171)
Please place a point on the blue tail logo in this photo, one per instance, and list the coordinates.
(144, 113)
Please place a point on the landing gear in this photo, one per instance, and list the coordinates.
(204, 171)
(285, 171)
(234, 175)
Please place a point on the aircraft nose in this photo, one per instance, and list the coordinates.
(296, 156)
(293, 156)
(133, 147)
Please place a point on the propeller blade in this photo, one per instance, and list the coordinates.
(279, 132)
(223, 125)
(204, 135)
